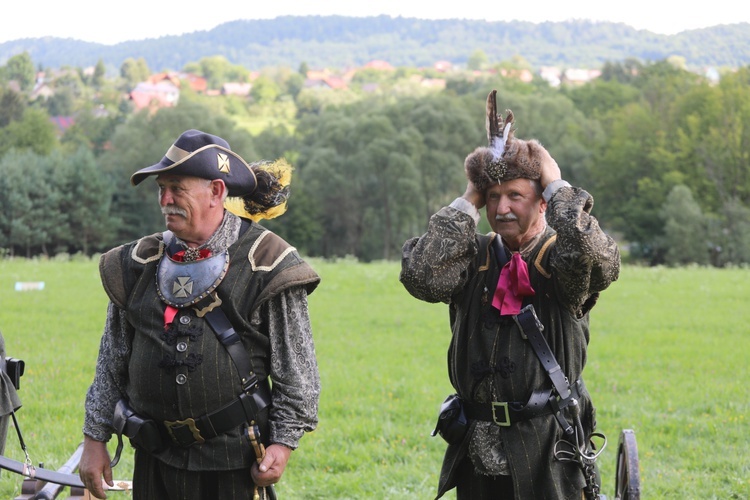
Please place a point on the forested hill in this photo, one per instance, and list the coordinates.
(338, 42)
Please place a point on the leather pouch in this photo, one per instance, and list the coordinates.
(452, 423)
(142, 432)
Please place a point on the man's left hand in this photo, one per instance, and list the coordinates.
(550, 170)
(272, 466)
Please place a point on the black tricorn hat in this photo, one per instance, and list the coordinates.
(198, 154)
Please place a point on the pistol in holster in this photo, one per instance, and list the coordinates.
(14, 368)
(142, 432)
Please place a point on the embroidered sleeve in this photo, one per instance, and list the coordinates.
(110, 377)
(434, 266)
(586, 260)
(294, 369)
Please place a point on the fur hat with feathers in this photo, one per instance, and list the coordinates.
(505, 158)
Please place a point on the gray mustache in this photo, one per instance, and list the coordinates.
(506, 218)
(172, 210)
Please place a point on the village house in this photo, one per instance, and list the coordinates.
(195, 83)
(324, 79)
(578, 76)
(443, 66)
(235, 88)
(155, 95)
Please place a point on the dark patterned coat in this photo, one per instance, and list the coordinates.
(569, 264)
(166, 382)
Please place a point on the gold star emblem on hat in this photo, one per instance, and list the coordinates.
(223, 163)
(182, 287)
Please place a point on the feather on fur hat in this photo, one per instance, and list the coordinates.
(505, 158)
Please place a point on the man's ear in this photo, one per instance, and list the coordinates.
(218, 188)
(543, 206)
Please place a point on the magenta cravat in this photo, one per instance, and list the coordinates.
(512, 286)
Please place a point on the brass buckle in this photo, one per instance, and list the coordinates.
(181, 423)
(505, 414)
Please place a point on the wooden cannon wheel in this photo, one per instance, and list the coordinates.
(628, 479)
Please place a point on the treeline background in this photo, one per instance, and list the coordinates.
(340, 41)
(663, 149)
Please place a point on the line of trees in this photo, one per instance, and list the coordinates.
(340, 41)
(664, 152)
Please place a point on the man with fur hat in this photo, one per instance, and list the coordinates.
(521, 423)
(201, 317)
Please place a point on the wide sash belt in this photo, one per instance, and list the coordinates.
(244, 408)
(506, 413)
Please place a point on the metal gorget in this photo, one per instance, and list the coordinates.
(182, 284)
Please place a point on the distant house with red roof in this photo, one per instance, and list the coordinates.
(335, 82)
(158, 78)
(164, 94)
(443, 66)
(324, 79)
(195, 82)
(379, 65)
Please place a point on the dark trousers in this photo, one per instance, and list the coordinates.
(154, 480)
(474, 486)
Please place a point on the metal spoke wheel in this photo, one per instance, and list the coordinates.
(628, 479)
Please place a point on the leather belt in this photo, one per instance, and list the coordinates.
(506, 413)
(242, 409)
(531, 329)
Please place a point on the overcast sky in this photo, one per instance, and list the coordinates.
(110, 22)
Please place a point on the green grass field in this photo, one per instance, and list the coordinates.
(667, 359)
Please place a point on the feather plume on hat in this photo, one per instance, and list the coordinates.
(505, 158)
(255, 190)
(269, 199)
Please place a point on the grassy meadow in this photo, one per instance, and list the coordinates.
(667, 359)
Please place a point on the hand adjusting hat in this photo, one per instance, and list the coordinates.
(505, 158)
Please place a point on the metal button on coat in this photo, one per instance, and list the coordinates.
(182, 347)
(181, 378)
(185, 320)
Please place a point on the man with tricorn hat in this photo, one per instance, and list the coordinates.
(207, 362)
(9, 400)
(521, 423)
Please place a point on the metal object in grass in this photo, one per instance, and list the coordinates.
(627, 480)
(40, 483)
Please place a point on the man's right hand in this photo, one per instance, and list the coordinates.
(474, 196)
(94, 465)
